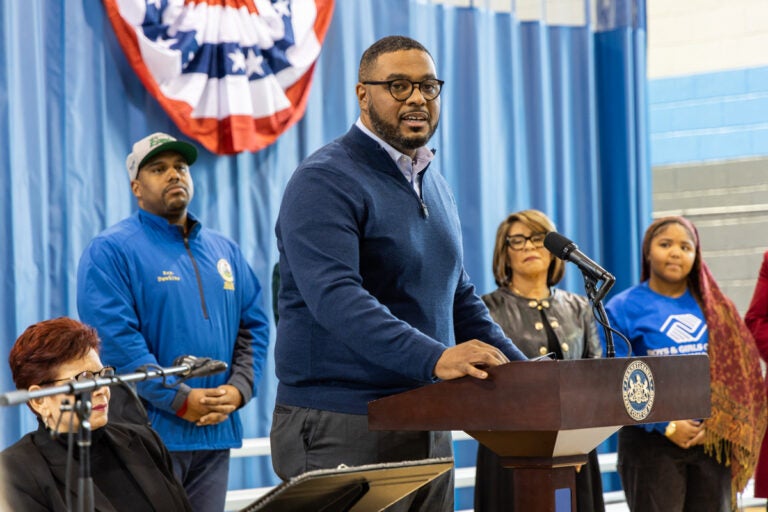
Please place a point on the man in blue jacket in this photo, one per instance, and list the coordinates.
(158, 285)
(374, 299)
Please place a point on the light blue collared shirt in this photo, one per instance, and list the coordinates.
(410, 167)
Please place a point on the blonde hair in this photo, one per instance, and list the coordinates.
(537, 222)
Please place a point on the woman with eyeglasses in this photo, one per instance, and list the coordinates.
(130, 467)
(541, 320)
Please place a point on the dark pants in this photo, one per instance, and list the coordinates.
(204, 475)
(307, 439)
(659, 476)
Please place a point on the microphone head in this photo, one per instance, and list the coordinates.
(200, 366)
(185, 360)
(215, 366)
(558, 245)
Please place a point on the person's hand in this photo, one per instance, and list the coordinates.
(220, 402)
(209, 406)
(212, 418)
(467, 359)
(687, 433)
(195, 410)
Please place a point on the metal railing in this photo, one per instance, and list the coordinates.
(464, 478)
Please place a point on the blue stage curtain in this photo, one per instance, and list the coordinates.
(538, 112)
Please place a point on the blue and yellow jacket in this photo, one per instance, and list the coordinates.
(154, 295)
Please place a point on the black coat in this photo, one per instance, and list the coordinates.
(33, 471)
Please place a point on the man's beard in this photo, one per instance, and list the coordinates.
(177, 202)
(391, 133)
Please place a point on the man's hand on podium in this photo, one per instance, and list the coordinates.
(468, 358)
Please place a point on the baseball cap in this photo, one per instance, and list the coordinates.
(156, 143)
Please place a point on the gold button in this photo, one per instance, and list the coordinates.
(545, 303)
(543, 351)
(555, 324)
(539, 326)
(565, 347)
(533, 304)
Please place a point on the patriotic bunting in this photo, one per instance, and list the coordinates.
(232, 74)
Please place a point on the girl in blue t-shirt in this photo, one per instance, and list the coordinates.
(678, 309)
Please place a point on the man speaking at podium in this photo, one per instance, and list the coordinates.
(374, 299)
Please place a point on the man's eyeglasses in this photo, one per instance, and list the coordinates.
(517, 242)
(402, 88)
(107, 371)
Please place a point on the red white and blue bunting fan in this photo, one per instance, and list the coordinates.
(232, 74)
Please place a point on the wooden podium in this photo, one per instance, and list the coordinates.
(543, 417)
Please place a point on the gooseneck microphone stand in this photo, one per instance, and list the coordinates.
(83, 407)
(595, 296)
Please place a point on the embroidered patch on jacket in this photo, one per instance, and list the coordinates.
(166, 276)
(225, 271)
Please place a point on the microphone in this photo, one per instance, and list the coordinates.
(566, 250)
(199, 366)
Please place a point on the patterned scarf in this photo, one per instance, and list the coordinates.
(735, 430)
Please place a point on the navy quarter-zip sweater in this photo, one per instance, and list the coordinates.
(373, 288)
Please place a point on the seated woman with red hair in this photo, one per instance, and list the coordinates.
(130, 466)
